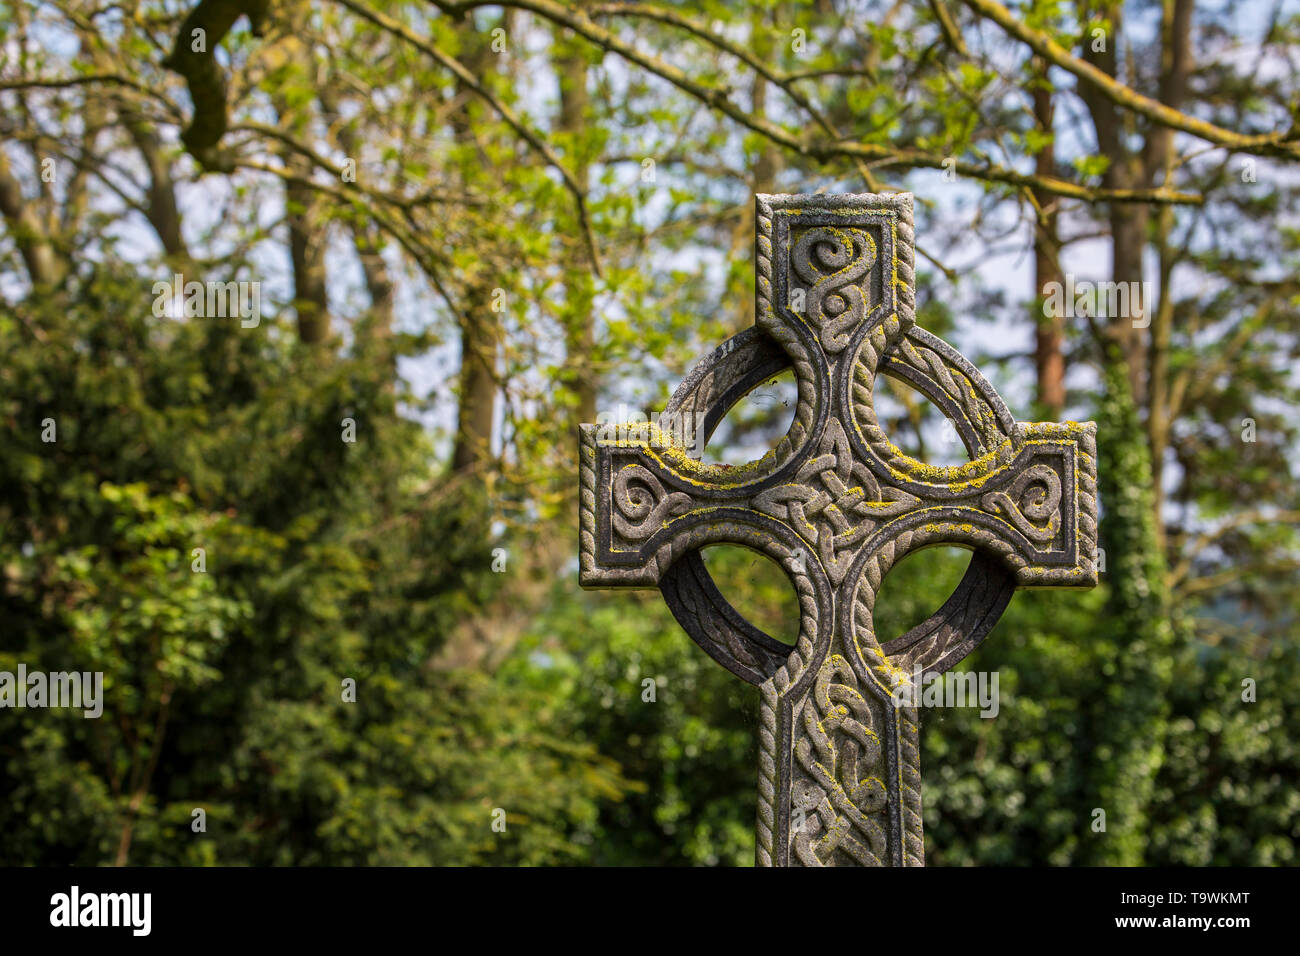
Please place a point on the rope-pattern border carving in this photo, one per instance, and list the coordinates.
(766, 319)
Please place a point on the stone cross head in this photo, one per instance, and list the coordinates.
(836, 505)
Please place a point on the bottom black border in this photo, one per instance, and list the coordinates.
(557, 907)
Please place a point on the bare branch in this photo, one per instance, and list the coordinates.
(205, 27)
(719, 99)
(535, 140)
(1268, 144)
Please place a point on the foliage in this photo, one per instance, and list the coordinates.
(323, 560)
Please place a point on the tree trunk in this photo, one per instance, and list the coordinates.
(308, 235)
(1128, 227)
(1049, 360)
(480, 326)
(307, 253)
(1176, 67)
(478, 391)
(579, 319)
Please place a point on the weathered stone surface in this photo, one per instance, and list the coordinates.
(836, 505)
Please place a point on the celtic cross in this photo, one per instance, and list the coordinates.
(837, 505)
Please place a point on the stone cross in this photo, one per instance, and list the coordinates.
(836, 505)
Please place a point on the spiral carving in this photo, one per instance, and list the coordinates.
(833, 261)
(1034, 496)
(642, 504)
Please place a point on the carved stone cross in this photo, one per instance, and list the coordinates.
(837, 505)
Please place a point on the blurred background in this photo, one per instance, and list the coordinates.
(300, 306)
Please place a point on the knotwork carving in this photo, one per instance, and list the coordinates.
(840, 795)
(836, 504)
(834, 501)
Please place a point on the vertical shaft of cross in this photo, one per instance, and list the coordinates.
(839, 771)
